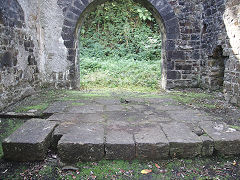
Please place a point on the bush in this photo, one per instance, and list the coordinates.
(120, 46)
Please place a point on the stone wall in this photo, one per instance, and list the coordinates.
(200, 43)
(220, 46)
(186, 61)
(18, 66)
(231, 17)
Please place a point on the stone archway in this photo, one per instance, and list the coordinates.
(162, 11)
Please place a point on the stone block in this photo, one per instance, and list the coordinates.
(173, 75)
(183, 142)
(30, 142)
(226, 139)
(119, 145)
(151, 144)
(85, 109)
(56, 107)
(208, 145)
(77, 118)
(82, 143)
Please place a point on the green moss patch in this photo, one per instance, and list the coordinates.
(7, 127)
(39, 107)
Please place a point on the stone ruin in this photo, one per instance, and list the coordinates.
(39, 44)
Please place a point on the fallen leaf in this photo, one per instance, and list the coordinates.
(234, 163)
(146, 171)
(157, 166)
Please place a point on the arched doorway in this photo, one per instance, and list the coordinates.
(161, 10)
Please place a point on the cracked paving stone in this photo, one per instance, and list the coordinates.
(183, 142)
(151, 143)
(226, 139)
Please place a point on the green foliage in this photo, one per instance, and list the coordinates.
(39, 107)
(124, 73)
(7, 127)
(120, 46)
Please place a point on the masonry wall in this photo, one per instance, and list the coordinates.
(186, 61)
(18, 56)
(231, 19)
(220, 39)
(38, 40)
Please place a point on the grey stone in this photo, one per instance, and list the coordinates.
(161, 101)
(119, 145)
(198, 131)
(183, 142)
(151, 144)
(77, 118)
(83, 143)
(108, 101)
(120, 126)
(59, 131)
(208, 145)
(57, 107)
(27, 92)
(115, 108)
(168, 107)
(125, 116)
(85, 109)
(70, 168)
(188, 115)
(226, 139)
(56, 63)
(30, 142)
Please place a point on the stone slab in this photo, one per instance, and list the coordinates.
(161, 101)
(56, 107)
(226, 139)
(119, 145)
(120, 126)
(151, 143)
(115, 107)
(85, 109)
(183, 142)
(107, 101)
(84, 117)
(208, 145)
(188, 115)
(167, 107)
(124, 116)
(30, 142)
(83, 143)
(59, 131)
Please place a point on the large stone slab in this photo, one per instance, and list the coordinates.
(108, 101)
(56, 107)
(94, 108)
(130, 117)
(226, 139)
(167, 107)
(151, 143)
(188, 116)
(83, 143)
(183, 142)
(115, 107)
(78, 118)
(59, 131)
(119, 145)
(30, 142)
(208, 145)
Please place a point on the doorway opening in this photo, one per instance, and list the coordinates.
(216, 64)
(120, 47)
